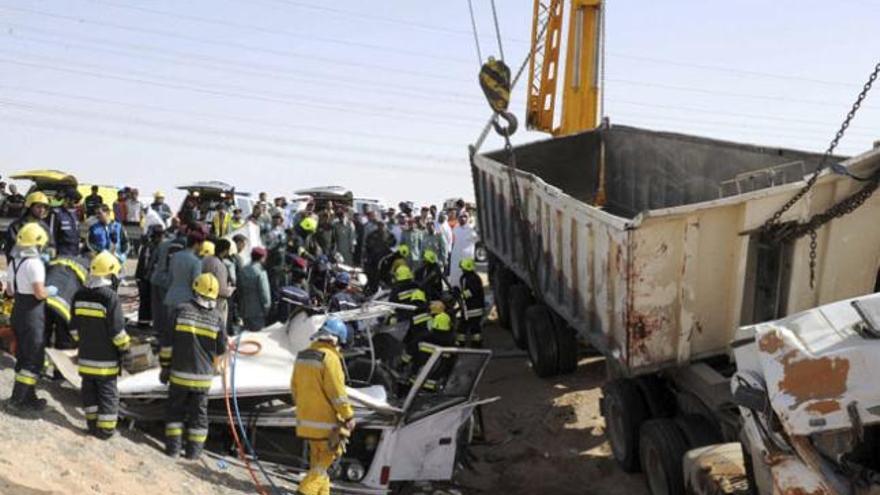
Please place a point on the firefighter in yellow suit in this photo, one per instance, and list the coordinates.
(324, 416)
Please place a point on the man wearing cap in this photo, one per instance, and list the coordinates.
(64, 225)
(160, 207)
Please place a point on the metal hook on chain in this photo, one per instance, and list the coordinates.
(509, 129)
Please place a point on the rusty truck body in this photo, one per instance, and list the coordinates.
(660, 277)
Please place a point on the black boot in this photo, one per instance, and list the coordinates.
(104, 433)
(19, 392)
(193, 451)
(92, 426)
(172, 446)
(34, 402)
(24, 402)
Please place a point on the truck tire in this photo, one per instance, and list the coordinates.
(567, 343)
(657, 396)
(504, 279)
(624, 410)
(543, 351)
(661, 450)
(520, 299)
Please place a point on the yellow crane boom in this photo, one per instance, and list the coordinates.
(580, 93)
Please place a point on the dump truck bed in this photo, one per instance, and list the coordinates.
(672, 265)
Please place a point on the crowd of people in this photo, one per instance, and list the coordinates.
(206, 273)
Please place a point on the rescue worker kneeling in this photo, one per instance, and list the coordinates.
(99, 327)
(324, 416)
(418, 327)
(440, 334)
(189, 349)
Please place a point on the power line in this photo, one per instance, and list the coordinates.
(691, 89)
(719, 112)
(729, 70)
(677, 63)
(193, 59)
(385, 19)
(237, 46)
(281, 73)
(196, 87)
(223, 133)
(275, 100)
(278, 32)
(236, 119)
(215, 146)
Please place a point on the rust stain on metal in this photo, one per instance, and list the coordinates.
(616, 254)
(824, 407)
(641, 327)
(771, 342)
(813, 379)
(795, 477)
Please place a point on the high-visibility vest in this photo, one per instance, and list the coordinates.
(220, 224)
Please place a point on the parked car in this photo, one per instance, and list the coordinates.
(323, 195)
(52, 183)
(209, 193)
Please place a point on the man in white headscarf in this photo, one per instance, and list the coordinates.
(464, 241)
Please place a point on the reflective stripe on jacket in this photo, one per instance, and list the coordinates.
(472, 292)
(99, 327)
(191, 344)
(318, 387)
(220, 224)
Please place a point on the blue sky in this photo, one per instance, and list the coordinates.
(381, 96)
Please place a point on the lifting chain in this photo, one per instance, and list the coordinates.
(519, 213)
(777, 233)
